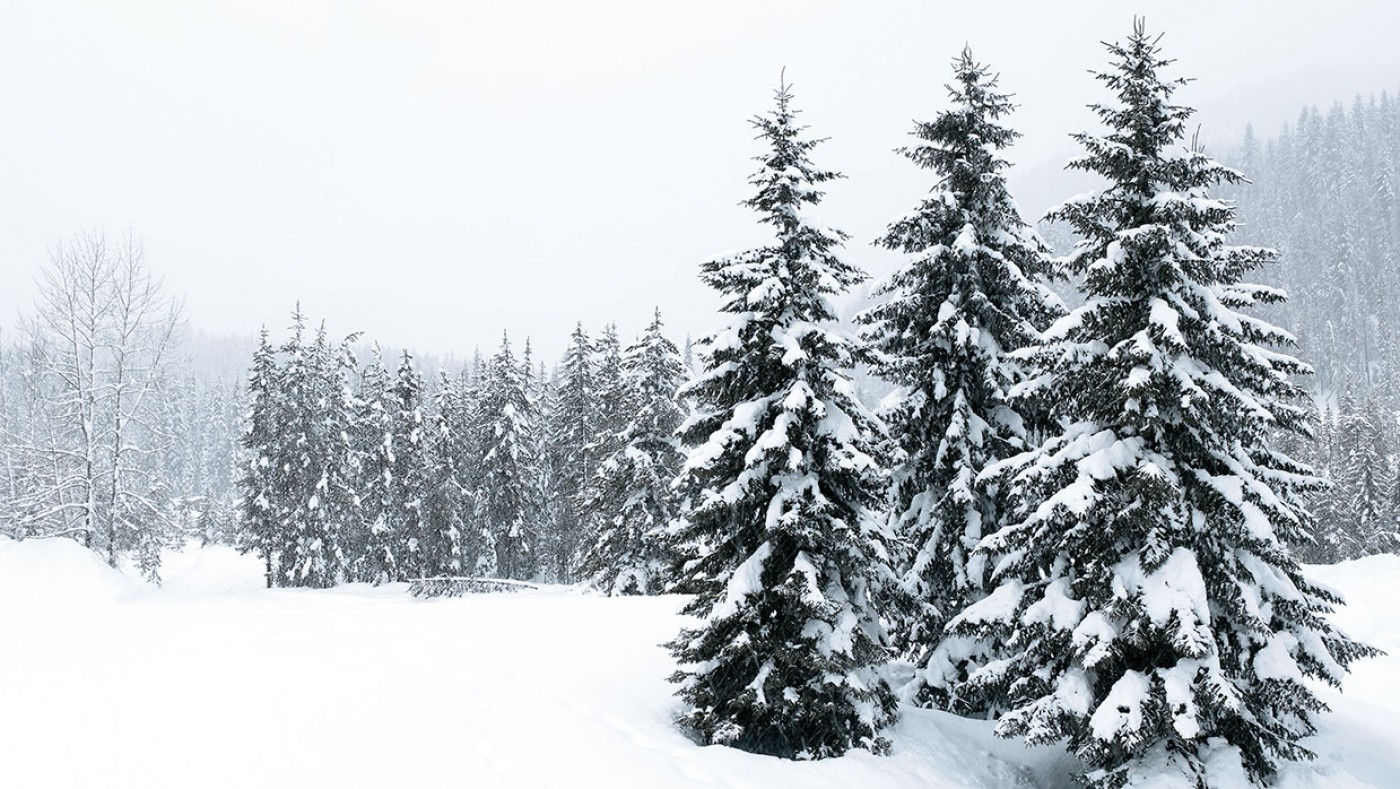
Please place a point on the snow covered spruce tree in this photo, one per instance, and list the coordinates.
(569, 452)
(788, 560)
(421, 546)
(1364, 483)
(1153, 618)
(317, 497)
(299, 455)
(460, 437)
(966, 298)
(262, 477)
(610, 386)
(630, 496)
(446, 503)
(508, 500)
(370, 542)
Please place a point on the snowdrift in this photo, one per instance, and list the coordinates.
(38, 574)
(213, 681)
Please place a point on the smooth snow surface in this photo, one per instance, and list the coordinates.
(213, 681)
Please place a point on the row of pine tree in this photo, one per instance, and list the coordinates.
(355, 473)
(1323, 191)
(1084, 524)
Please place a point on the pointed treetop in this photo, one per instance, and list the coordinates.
(298, 326)
(786, 180)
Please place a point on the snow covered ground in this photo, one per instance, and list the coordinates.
(212, 680)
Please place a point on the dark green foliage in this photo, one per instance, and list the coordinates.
(459, 437)
(422, 547)
(570, 455)
(312, 495)
(261, 523)
(1153, 617)
(785, 556)
(371, 545)
(965, 298)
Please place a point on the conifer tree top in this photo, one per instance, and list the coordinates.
(1153, 179)
(961, 143)
(786, 183)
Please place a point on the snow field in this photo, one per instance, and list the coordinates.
(213, 681)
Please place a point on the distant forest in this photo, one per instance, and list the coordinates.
(1324, 193)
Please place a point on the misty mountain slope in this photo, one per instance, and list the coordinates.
(212, 680)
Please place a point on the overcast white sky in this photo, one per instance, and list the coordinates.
(431, 173)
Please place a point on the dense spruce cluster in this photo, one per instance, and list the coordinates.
(356, 473)
(1324, 193)
(1355, 448)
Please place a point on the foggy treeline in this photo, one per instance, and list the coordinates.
(1323, 193)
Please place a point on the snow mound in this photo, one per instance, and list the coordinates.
(39, 573)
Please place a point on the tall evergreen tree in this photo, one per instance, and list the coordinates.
(262, 482)
(459, 437)
(508, 498)
(316, 459)
(1152, 616)
(630, 495)
(446, 505)
(332, 404)
(1329, 540)
(608, 418)
(418, 542)
(371, 544)
(570, 457)
(1364, 481)
(610, 386)
(965, 299)
(789, 561)
(298, 456)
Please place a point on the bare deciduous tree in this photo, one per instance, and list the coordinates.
(97, 344)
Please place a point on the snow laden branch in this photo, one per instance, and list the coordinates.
(777, 530)
(1147, 609)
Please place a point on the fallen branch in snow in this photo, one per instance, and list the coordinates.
(456, 586)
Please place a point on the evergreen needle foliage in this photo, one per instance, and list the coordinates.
(966, 298)
(1153, 617)
(630, 499)
(788, 562)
